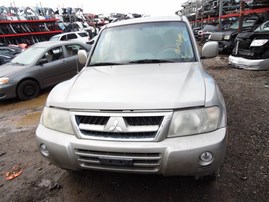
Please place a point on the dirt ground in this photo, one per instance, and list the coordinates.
(244, 176)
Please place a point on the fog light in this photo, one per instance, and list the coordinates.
(206, 158)
(44, 150)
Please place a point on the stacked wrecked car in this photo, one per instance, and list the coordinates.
(252, 49)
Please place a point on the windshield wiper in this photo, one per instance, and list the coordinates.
(106, 63)
(133, 62)
(151, 61)
(17, 63)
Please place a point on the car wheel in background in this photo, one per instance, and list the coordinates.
(28, 89)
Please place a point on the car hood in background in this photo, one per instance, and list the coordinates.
(7, 69)
(245, 35)
(227, 32)
(252, 35)
(132, 87)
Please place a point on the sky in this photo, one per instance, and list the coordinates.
(151, 7)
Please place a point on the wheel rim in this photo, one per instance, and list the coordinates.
(29, 91)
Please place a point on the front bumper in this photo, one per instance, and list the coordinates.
(226, 46)
(7, 91)
(172, 156)
(250, 64)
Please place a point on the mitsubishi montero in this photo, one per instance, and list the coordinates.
(142, 104)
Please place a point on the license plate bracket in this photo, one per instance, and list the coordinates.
(116, 161)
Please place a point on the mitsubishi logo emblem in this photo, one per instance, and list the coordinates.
(115, 127)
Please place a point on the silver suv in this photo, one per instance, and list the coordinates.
(142, 104)
(81, 36)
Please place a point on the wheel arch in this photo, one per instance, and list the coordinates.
(26, 79)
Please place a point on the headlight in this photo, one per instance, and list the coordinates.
(4, 80)
(57, 119)
(227, 37)
(194, 121)
(258, 42)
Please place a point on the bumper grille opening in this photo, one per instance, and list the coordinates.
(204, 168)
(144, 162)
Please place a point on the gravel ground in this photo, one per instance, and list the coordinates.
(244, 176)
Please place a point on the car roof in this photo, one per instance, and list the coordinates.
(58, 35)
(47, 44)
(148, 19)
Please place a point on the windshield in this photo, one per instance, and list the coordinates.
(263, 27)
(28, 56)
(54, 38)
(209, 28)
(246, 23)
(147, 42)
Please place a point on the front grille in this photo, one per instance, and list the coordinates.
(94, 120)
(144, 121)
(244, 53)
(244, 44)
(121, 161)
(114, 135)
(120, 126)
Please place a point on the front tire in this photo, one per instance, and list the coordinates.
(27, 90)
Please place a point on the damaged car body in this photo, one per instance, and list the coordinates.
(142, 104)
(226, 37)
(252, 49)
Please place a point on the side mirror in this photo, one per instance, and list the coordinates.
(43, 61)
(82, 57)
(210, 49)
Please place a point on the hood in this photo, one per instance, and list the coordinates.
(7, 69)
(228, 31)
(132, 87)
(245, 35)
(261, 35)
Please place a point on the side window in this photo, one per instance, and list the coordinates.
(83, 34)
(72, 36)
(63, 38)
(73, 49)
(54, 54)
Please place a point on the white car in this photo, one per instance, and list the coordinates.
(81, 36)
